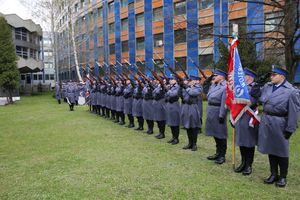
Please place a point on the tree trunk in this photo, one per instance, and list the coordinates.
(290, 11)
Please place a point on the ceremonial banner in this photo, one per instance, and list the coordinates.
(237, 94)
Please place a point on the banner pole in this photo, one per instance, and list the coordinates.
(233, 148)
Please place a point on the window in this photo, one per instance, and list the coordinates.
(21, 34)
(111, 49)
(180, 63)
(48, 65)
(158, 40)
(31, 38)
(157, 14)
(100, 13)
(46, 76)
(125, 46)
(274, 21)
(131, 6)
(51, 76)
(111, 28)
(180, 36)
(139, 19)
(206, 31)
(23, 77)
(204, 4)
(242, 23)
(48, 53)
(205, 60)
(111, 7)
(124, 3)
(179, 8)
(124, 24)
(140, 43)
(76, 7)
(35, 77)
(32, 53)
(22, 52)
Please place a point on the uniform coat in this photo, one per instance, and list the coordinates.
(246, 135)
(128, 91)
(137, 107)
(159, 104)
(217, 96)
(192, 108)
(119, 98)
(173, 106)
(71, 92)
(281, 110)
(57, 92)
(147, 102)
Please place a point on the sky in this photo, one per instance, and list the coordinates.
(15, 7)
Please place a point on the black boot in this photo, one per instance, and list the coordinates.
(194, 139)
(122, 116)
(176, 135)
(113, 115)
(103, 111)
(283, 164)
(117, 117)
(241, 168)
(150, 124)
(141, 124)
(161, 126)
(59, 102)
(223, 147)
(273, 161)
(189, 135)
(173, 136)
(249, 160)
(131, 121)
(217, 154)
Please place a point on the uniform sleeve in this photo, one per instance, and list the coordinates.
(293, 111)
(223, 109)
(195, 91)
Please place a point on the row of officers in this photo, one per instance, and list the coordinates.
(176, 103)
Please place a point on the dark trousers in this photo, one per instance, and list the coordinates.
(107, 111)
(192, 134)
(71, 106)
(175, 131)
(103, 111)
(113, 114)
(247, 155)
(150, 124)
(58, 100)
(161, 126)
(130, 119)
(221, 146)
(140, 122)
(281, 162)
(122, 117)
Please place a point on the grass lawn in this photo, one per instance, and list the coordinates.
(47, 152)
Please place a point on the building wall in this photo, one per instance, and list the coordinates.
(170, 32)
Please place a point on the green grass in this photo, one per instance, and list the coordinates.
(47, 152)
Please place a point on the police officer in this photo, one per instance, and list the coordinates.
(280, 102)
(120, 103)
(127, 94)
(57, 93)
(71, 95)
(159, 108)
(137, 109)
(173, 109)
(147, 105)
(191, 111)
(216, 114)
(246, 134)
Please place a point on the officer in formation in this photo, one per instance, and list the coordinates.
(71, 94)
(216, 114)
(246, 134)
(280, 101)
(57, 93)
(158, 100)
